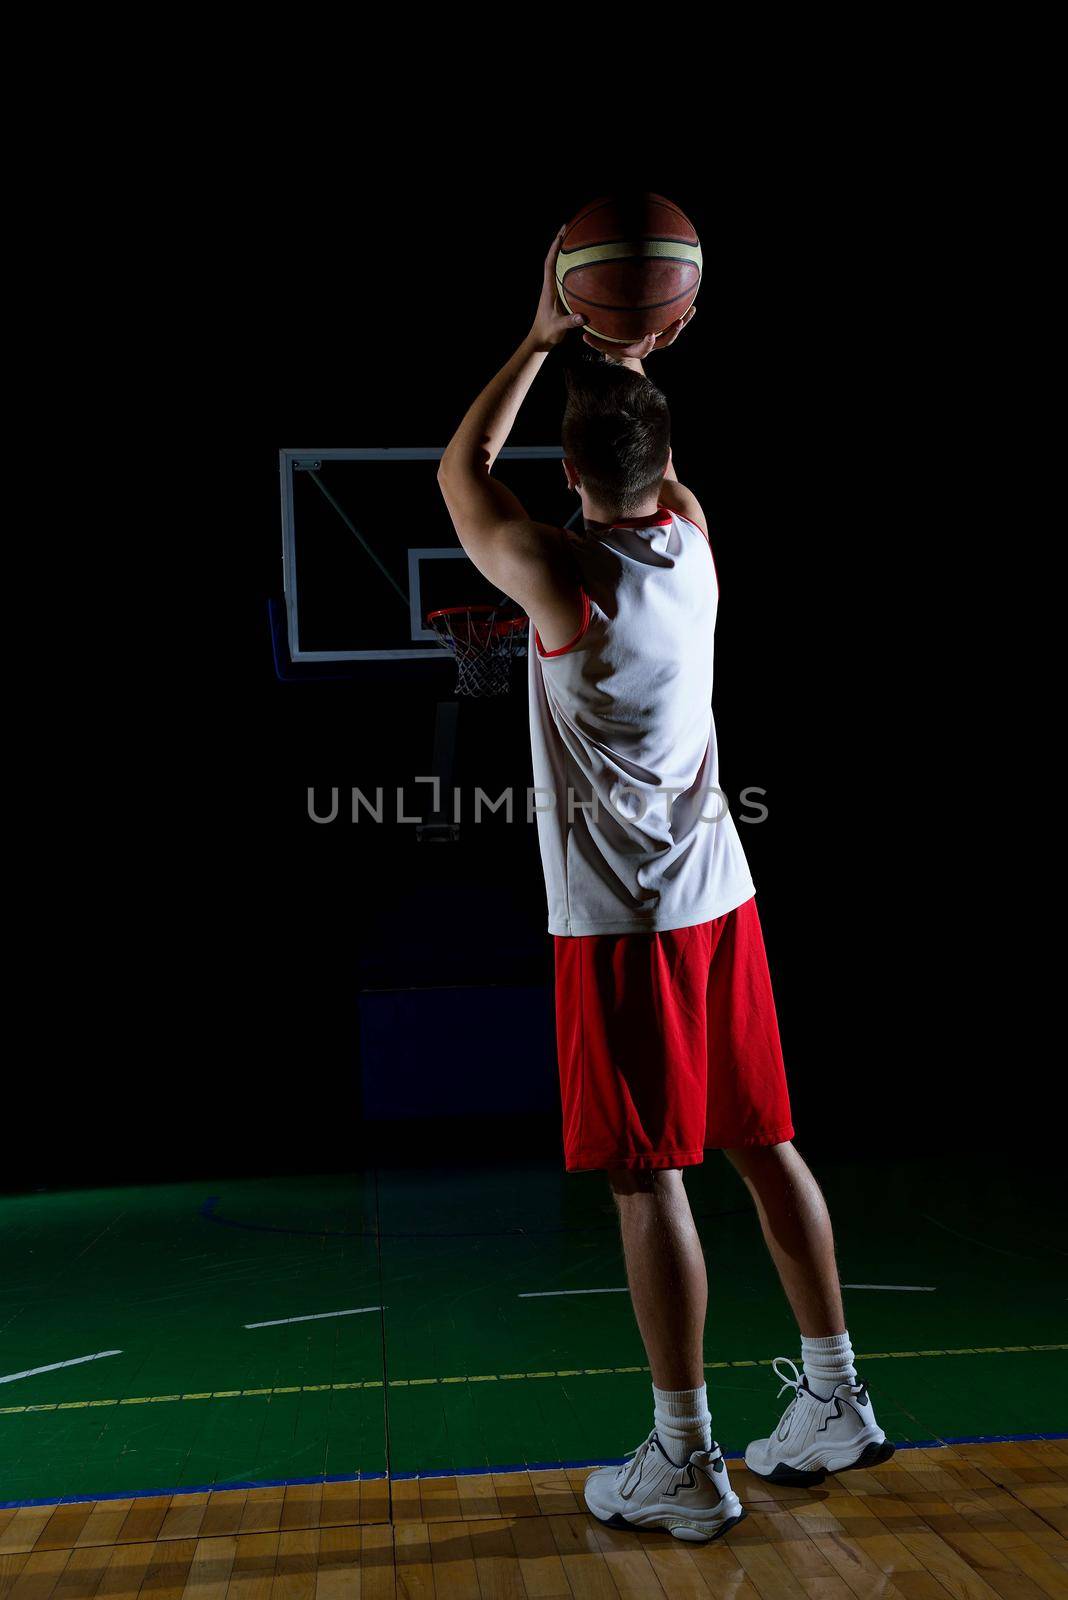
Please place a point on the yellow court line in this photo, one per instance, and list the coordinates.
(494, 1377)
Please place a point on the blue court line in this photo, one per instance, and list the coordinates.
(476, 1472)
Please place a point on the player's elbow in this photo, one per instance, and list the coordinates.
(450, 483)
(464, 466)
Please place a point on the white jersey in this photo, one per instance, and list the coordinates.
(633, 830)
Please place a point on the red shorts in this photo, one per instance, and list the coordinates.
(668, 1045)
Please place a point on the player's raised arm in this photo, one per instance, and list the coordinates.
(527, 559)
(677, 497)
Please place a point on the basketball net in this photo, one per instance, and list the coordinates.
(483, 640)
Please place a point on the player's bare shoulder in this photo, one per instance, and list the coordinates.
(678, 498)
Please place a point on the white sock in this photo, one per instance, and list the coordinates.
(828, 1362)
(683, 1421)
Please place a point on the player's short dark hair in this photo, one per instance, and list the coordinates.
(617, 432)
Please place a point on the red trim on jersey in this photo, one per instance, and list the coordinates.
(653, 520)
(571, 643)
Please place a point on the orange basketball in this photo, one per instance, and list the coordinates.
(631, 265)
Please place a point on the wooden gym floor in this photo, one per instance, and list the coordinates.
(964, 1522)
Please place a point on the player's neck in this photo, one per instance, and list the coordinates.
(597, 518)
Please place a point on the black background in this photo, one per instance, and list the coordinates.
(209, 942)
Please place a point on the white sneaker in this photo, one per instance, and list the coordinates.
(694, 1502)
(817, 1435)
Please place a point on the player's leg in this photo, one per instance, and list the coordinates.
(797, 1230)
(830, 1424)
(630, 1031)
(632, 1055)
(677, 1479)
(666, 1273)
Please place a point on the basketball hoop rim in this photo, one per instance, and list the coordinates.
(505, 625)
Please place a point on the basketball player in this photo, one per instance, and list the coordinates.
(666, 1026)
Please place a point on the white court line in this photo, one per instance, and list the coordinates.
(903, 1288)
(54, 1366)
(317, 1316)
(549, 1294)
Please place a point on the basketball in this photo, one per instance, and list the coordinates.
(631, 266)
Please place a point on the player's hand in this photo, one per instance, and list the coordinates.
(643, 347)
(551, 321)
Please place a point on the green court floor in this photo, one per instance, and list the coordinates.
(458, 1351)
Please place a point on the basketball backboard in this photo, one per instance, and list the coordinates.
(368, 548)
